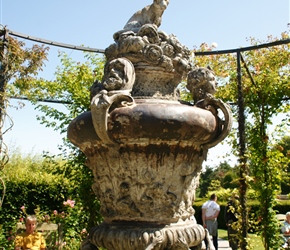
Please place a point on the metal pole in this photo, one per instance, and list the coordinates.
(3, 67)
(242, 155)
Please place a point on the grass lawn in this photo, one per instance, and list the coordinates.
(255, 240)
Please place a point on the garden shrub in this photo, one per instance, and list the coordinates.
(34, 187)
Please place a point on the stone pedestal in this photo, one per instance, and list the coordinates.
(126, 235)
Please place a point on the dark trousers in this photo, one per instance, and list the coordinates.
(214, 241)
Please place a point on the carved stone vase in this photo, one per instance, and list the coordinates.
(147, 168)
(144, 146)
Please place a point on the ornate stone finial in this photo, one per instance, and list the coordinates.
(145, 148)
(159, 59)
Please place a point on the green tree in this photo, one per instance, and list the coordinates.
(214, 185)
(230, 179)
(205, 180)
(223, 174)
(18, 66)
(265, 86)
(264, 97)
(72, 88)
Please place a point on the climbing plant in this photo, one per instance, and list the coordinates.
(265, 84)
(18, 66)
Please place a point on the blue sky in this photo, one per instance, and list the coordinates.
(92, 23)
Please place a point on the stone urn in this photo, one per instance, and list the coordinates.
(146, 147)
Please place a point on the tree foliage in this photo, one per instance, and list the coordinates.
(18, 66)
(71, 88)
(22, 64)
(283, 146)
(226, 176)
(265, 83)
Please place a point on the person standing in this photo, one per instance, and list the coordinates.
(210, 212)
(230, 218)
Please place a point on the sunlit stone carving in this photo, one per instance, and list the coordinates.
(145, 147)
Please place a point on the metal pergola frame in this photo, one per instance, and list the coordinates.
(241, 123)
(241, 104)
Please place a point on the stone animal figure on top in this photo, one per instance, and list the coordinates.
(151, 14)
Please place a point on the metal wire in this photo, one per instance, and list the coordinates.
(49, 42)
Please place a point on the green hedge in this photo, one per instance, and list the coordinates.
(59, 190)
(48, 196)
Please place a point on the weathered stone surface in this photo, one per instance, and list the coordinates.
(148, 236)
(160, 60)
(144, 146)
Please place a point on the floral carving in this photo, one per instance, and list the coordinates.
(153, 53)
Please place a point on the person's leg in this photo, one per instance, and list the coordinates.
(215, 241)
(208, 227)
(215, 236)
